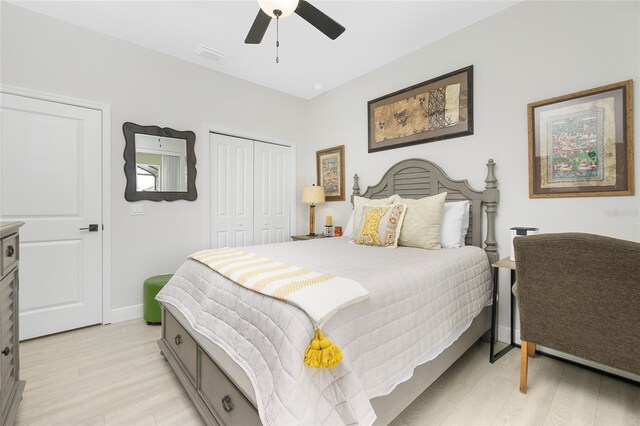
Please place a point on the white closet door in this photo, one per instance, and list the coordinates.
(51, 179)
(231, 181)
(272, 193)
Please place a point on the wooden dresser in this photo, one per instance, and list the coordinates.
(11, 386)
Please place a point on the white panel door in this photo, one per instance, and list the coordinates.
(231, 183)
(50, 178)
(272, 193)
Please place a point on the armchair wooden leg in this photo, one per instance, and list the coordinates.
(531, 349)
(524, 364)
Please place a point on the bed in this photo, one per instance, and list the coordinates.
(238, 353)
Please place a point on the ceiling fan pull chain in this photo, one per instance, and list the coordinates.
(277, 38)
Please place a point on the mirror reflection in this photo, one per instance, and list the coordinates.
(161, 164)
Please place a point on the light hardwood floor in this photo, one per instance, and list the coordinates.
(115, 375)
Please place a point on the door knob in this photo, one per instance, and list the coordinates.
(92, 228)
(6, 351)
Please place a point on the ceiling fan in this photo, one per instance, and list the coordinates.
(281, 9)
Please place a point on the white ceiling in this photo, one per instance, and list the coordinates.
(377, 33)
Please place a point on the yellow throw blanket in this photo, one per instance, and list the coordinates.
(319, 295)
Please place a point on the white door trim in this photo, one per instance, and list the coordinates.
(204, 172)
(105, 109)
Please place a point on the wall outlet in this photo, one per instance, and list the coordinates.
(137, 209)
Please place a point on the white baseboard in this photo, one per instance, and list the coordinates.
(127, 313)
(504, 334)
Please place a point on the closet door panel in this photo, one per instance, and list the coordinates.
(281, 195)
(222, 211)
(231, 198)
(262, 200)
(243, 184)
(272, 198)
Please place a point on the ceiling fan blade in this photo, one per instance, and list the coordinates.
(258, 29)
(315, 17)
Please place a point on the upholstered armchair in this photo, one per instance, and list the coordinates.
(579, 294)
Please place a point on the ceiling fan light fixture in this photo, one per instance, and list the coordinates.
(287, 7)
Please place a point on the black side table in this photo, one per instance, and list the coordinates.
(508, 264)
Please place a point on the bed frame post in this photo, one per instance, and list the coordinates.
(491, 198)
(356, 187)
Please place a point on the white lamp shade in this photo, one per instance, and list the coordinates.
(287, 7)
(313, 195)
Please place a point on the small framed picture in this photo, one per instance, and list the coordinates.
(330, 172)
(581, 144)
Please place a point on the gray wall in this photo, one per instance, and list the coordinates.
(530, 52)
(145, 87)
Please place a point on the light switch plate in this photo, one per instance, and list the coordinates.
(137, 209)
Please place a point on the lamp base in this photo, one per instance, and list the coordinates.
(312, 220)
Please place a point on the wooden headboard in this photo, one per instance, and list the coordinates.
(417, 178)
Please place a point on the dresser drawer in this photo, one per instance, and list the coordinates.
(223, 397)
(7, 309)
(182, 345)
(7, 341)
(8, 381)
(7, 364)
(6, 290)
(11, 387)
(9, 247)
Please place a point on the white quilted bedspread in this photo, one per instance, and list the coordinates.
(420, 302)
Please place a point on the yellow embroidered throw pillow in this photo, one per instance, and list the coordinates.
(358, 203)
(421, 226)
(380, 225)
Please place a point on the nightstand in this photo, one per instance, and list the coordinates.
(307, 237)
(506, 263)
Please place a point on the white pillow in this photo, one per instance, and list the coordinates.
(454, 226)
(348, 232)
(358, 203)
(465, 224)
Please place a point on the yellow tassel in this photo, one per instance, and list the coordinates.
(322, 352)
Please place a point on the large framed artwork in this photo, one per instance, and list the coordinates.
(581, 144)
(330, 169)
(440, 108)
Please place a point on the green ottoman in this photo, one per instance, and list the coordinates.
(151, 307)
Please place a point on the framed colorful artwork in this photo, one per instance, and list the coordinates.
(330, 169)
(440, 108)
(581, 144)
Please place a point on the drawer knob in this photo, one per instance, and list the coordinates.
(6, 351)
(178, 340)
(227, 404)
(10, 251)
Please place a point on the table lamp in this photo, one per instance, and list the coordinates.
(312, 195)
